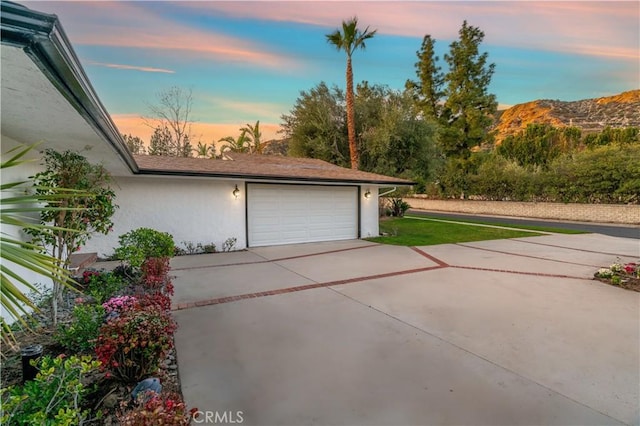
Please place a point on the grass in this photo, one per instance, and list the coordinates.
(509, 225)
(416, 232)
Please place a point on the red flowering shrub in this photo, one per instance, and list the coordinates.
(132, 345)
(164, 409)
(155, 272)
(158, 300)
(87, 275)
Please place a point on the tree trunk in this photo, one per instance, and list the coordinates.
(351, 125)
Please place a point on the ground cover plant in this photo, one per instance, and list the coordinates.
(415, 232)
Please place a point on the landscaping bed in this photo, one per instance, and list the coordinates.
(623, 275)
(107, 351)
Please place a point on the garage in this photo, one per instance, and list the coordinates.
(288, 214)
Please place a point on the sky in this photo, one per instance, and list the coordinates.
(248, 61)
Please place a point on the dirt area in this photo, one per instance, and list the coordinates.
(628, 283)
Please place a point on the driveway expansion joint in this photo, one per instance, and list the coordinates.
(525, 255)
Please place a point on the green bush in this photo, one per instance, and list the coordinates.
(53, 397)
(103, 285)
(80, 335)
(143, 243)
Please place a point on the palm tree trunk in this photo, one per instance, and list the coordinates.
(351, 124)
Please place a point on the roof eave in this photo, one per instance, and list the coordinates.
(42, 38)
(240, 176)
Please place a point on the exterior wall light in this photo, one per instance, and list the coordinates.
(367, 194)
(236, 192)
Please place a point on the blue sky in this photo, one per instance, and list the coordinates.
(248, 61)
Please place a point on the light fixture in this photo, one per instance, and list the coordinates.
(367, 194)
(236, 192)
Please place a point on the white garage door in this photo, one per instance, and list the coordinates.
(287, 214)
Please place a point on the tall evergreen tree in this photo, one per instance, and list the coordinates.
(350, 39)
(428, 91)
(468, 108)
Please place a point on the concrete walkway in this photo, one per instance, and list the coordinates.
(499, 332)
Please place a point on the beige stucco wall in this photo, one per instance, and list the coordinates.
(607, 213)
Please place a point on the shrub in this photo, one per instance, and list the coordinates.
(104, 285)
(81, 334)
(158, 300)
(164, 409)
(143, 243)
(155, 271)
(132, 345)
(228, 245)
(53, 397)
(399, 207)
(116, 305)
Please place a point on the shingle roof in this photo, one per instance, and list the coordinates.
(261, 167)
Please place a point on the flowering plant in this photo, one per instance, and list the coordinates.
(131, 345)
(165, 409)
(155, 271)
(118, 304)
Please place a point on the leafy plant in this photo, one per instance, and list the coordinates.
(104, 285)
(54, 397)
(131, 345)
(209, 248)
(143, 243)
(164, 409)
(81, 334)
(83, 214)
(399, 207)
(17, 203)
(229, 244)
(154, 272)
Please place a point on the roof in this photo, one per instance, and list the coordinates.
(261, 167)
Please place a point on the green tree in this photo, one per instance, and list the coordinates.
(316, 125)
(160, 143)
(204, 150)
(255, 135)
(240, 145)
(18, 203)
(468, 108)
(81, 217)
(427, 91)
(348, 40)
(134, 143)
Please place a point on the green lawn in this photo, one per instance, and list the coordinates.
(508, 225)
(416, 232)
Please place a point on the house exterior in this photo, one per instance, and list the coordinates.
(258, 200)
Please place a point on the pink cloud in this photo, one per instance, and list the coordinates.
(129, 67)
(607, 29)
(126, 24)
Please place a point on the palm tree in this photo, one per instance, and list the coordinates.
(204, 150)
(255, 135)
(242, 144)
(350, 39)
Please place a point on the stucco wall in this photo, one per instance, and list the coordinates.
(607, 213)
(369, 212)
(193, 210)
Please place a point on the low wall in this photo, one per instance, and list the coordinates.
(607, 213)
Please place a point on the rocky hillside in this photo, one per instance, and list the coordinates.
(590, 115)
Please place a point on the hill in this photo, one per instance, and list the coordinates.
(590, 115)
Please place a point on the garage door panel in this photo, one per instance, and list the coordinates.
(285, 214)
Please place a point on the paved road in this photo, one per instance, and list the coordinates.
(629, 231)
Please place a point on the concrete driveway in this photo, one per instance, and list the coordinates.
(500, 332)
